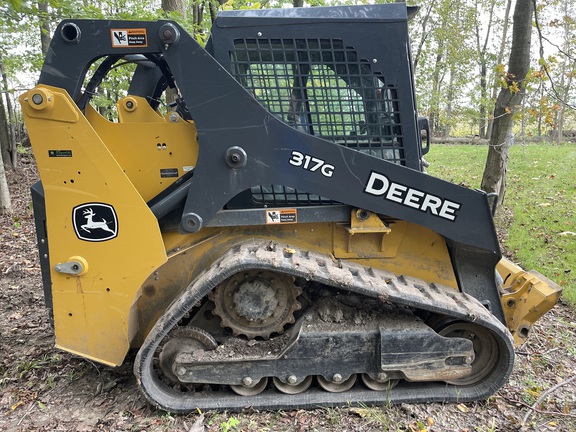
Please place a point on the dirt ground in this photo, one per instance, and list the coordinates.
(44, 389)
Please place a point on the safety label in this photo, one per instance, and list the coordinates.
(284, 216)
(168, 172)
(59, 153)
(129, 38)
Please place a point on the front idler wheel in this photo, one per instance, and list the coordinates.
(485, 347)
(185, 338)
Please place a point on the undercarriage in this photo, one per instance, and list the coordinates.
(344, 334)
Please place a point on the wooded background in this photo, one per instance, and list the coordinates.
(461, 53)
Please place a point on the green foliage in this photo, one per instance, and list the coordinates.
(16, 4)
(113, 87)
(544, 214)
(447, 58)
(230, 425)
(449, 32)
(539, 211)
(28, 365)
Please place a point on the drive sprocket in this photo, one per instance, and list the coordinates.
(256, 303)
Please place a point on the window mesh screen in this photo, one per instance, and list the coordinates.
(322, 88)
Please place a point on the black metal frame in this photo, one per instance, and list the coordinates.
(39, 205)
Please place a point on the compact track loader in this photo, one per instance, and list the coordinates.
(272, 241)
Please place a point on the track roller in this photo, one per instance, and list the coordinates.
(291, 389)
(250, 388)
(379, 384)
(337, 384)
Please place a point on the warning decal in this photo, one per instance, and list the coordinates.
(168, 172)
(284, 216)
(59, 153)
(129, 38)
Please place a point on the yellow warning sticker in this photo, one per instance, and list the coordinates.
(281, 216)
(129, 38)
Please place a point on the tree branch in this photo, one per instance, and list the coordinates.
(560, 50)
(543, 396)
(540, 38)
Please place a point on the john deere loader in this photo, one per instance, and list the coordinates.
(270, 239)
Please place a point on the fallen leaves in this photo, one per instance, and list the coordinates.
(463, 408)
(421, 426)
(361, 412)
(198, 425)
(16, 405)
(24, 398)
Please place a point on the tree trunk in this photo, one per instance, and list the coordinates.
(450, 92)
(509, 101)
(423, 36)
(566, 78)
(500, 59)
(540, 114)
(481, 50)
(4, 135)
(213, 11)
(174, 6)
(436, 87)
(449, 102)
(10, 143)
(483, 95)
(5, 202)
(562, 111)
(44, 27)
(180, 7)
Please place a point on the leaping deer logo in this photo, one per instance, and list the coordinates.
(90, 224)
(95, 222)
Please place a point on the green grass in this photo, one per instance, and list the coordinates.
(540, 197)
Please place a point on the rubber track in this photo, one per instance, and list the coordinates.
(406, 291)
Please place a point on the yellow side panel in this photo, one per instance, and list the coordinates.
(77, 170)
(152, 151)
(407, 249)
